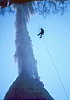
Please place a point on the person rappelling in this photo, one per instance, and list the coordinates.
(41, 33)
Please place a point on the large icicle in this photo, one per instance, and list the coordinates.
(24, 52)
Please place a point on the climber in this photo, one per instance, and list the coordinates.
(41, 33)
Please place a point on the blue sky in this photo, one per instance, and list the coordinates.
(57, 38)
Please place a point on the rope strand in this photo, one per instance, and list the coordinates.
(56, 70)
(54, 66)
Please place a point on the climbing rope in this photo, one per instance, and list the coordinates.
(54, 65)
(56, 70)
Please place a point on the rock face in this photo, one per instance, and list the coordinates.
(25, 88)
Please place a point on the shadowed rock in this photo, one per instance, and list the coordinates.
(25, 88)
